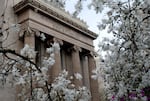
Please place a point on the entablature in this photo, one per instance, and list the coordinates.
(37, 6)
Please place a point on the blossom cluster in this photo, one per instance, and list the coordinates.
(127, 60)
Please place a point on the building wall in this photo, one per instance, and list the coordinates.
(7, 92)
(10, 37)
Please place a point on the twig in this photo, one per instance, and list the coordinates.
(5, 51)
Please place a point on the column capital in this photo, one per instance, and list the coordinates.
(75, 48)
(58, 41)
(28, 32)
(37, 33)
(92, 53)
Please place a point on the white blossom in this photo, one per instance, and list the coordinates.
(50, 50)
(27, 51)
(56, 47)
(78, 76)
(42, 36)
(21, 81)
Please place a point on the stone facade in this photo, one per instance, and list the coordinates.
(75, 40)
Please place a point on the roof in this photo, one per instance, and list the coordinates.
(57, 14)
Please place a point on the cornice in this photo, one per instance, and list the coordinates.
(36, 5)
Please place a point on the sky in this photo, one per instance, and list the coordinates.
(91, 18)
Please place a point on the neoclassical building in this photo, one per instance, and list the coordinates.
(76, 41)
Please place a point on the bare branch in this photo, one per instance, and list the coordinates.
(5, 51)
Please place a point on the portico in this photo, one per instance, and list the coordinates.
(73, 36)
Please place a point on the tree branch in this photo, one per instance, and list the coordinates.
(5, 51)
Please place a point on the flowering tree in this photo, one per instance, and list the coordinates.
(127, 61)
(20, 70)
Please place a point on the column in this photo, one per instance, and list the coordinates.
(76, 64)
(93, 83)
(29, 39)
(56, 68)
(86, 72)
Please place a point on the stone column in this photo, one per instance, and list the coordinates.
(76, 64)
(86, 72)
(93, 83)
(29, 39)
(56, 68)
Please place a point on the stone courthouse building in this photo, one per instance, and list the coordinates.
(76, 41)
